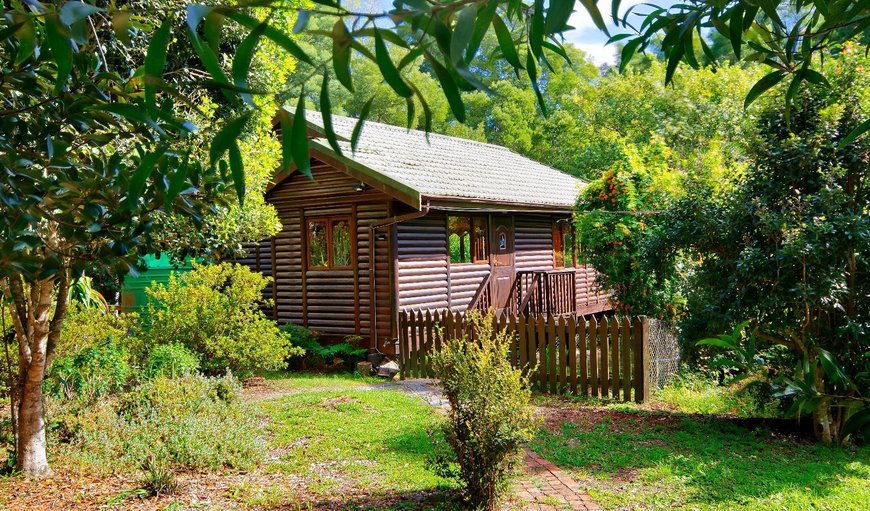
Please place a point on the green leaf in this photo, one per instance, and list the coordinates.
(718, 343)
(412, 115)
(536, 29)
(481, 26)
(592, 7)
(341, 44)
(506, 42)
(532, 70)
(238, 171)
(61, 49)
(448, 85)
(299, 139)
(26, 36)
(862, 128)
(227, 136)
(557, 16)
(243, 57)
(177, 182)
(272, 33)
(72, 12)
(140, 176)
(155, 61)
(131, 113)
(462, 33)
(628, 52)
(735, 30)
(326, 113)
(831, 368)
(763, 85)
(286, 128)
(388, 69)
(357, 130)
(858, 421)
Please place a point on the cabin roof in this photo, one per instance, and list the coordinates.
(449, 169)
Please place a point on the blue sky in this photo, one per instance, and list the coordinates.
(590, 39)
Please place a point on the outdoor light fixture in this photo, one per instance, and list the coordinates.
(382, 237)
(360, 187)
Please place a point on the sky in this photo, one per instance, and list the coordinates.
(591, 39)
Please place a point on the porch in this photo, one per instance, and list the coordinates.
(558, 293)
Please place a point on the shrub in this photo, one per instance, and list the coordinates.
(92, 372)
(85, 327)
(214, 311)
(172, 361)
(192, 422)
(320, 355)
(490, 415)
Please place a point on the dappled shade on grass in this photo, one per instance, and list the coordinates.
(365, 445)
(669, 461)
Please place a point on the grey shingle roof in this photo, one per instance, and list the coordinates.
(454, 168)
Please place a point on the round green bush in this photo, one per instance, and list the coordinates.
(171, 360)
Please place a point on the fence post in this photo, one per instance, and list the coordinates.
(641, 359)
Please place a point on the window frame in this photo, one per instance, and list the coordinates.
(476, 255)
(560, 229)
(330, 252)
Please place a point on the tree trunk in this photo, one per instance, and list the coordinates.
(826, 424)
(31, 455)
(37, 331)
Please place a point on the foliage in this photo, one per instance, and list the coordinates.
(320, 355)
(678, 463)
(87, 327)
(83, 292)
(214, 311)
(787, 247)
(490, 415)
(697, 393)
(614, 215)
(171, 361)
(158, 479)
(92, 372)
(791, 38)
(191, 422)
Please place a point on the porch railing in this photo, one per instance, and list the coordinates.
(552, 293)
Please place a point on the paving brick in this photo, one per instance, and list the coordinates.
(544, 487)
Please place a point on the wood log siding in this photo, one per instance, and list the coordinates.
(422, 261)
(336, 302)
(533, 235)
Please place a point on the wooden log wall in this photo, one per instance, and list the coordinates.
(604, 357)
(335, 302)
(533, 242)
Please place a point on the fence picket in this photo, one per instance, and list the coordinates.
(541, 346)
(615, 385)
(583, 353)
(604, 347)
(552, 352)
(613, 353)
(572, 351)
(593, 356)
(561, 334)
(626, 358)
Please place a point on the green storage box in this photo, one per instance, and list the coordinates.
(157, 270)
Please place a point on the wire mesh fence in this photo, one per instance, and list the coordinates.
(664, 352)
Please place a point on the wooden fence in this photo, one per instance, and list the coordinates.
(583, 355)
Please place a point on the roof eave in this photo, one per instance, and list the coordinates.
(463, 203)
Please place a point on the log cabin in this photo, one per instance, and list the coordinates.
(417, 221)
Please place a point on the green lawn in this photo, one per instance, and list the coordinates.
(645, 461)
(366, 448)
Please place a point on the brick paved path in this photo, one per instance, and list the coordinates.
(546, 488)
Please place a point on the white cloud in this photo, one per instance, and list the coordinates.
(582, 21)
(599, 53)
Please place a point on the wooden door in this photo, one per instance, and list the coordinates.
(502, 257)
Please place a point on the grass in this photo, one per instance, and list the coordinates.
(283, 380)
(368, 447)
(649, 461)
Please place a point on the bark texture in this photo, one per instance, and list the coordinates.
(37, 317)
